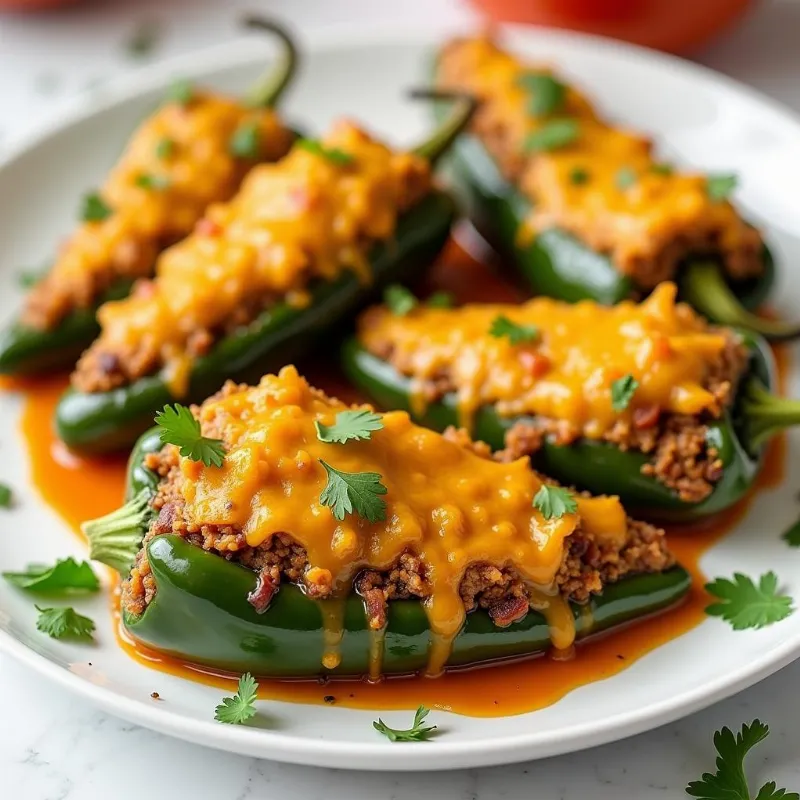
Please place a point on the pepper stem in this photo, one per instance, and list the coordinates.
(116, 538)
(704, 287)
(764, 414)
(266, 92)
(437, 144)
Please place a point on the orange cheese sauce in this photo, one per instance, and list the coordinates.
(310, 216)
(450, 506)
(80, 489)
(176, 163)
(567, 370)
(634, 218)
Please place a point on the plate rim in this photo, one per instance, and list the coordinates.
(379, 756)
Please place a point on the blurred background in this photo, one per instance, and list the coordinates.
(54, 52)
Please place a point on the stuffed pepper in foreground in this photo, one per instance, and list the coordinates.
(647, 401)
(193, 151)
(323, 539)
(304, 243)
(584, 209)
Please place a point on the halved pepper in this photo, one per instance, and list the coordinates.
(558, 264)
(28, 349)
(103, 421)
(739, 436)
(201, 614)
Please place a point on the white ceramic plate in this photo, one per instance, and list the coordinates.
(702, 118)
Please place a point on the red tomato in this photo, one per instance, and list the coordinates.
(663, 24)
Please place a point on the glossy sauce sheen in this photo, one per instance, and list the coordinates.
(82, 488)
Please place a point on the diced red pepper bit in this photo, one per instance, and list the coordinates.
(646, 416)
(536, 363)
(207, 227)
(512, 609)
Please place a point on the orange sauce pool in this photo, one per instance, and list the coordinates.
(81, 488)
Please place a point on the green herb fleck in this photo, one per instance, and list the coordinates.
(94, 208)
(546, 94)
(65, 575)
(579, 176)
(792, 535)
(354, 492)
(622, 391)
(349, 425)
(62, 623)
(719, 187)
(516, 334)
(165, 148)
(155, 182)
(746, 605)
(625, 177)
(416, 733)
(729, 782)
(28, 278)
(554, 501)
(662, 169)
(6, 496)
(241, 707)
(440, 300)
(333, 154)
(246, 141)
(552, 136)
(143, 40)
(181, 92)
(179, 427)
(399, 300)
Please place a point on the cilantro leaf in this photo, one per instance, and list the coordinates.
(746, 605)
(6, 497)
(156, 182)
(349, 425)
(179, 427)
(333, 154)
(354, 492)
(719, 187)
(546, 94)
(440, 300)
(622, 391)
(579, 176)
(554, 501)
(416, 733)
(662, 168)
(181, 92)
(517, 334)
(552, 136)
(729, 782)
(399, 300)
(65, 575)
(792, 535)
(246, 141)
(625, 177)
(165, 147)
(94, 208)
(241, 707)
(61, 623)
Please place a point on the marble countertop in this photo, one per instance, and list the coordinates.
(54, 746)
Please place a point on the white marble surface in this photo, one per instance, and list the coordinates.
(53, 746)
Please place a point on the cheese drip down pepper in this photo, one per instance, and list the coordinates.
(567, 371)
(584, 207)
(194, 150)
(449, 506)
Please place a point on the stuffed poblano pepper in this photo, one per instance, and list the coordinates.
(646, 401)
(191, 152)
(263, 278)
(281, 532)
(583, 208)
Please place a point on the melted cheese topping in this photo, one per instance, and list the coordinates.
(567, 371)
(633, 223)
(196, 170)
(306, 217)
(444, 503)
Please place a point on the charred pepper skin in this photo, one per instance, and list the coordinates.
(599, 467)
(30, 351)
(557, 264)
(287, 640)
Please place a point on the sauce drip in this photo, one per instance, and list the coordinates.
(80, 489)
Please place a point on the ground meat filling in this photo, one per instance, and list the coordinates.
(588, 563)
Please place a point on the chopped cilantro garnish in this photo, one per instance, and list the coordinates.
(349, 425)
(241, 707)
(554, 501)
(622, 391)
(354, 492)
(552, 135)
(65, 575)
(747, 605)
(399, 300)
(418, 732)
(179, 427)
(516, 334)
(62, 623)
